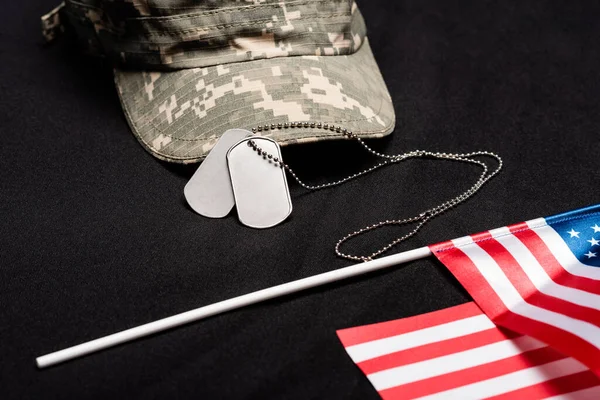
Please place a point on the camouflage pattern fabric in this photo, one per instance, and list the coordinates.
(186, 71)
(133, 36)
(179, 116)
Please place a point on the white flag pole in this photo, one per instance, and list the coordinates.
(227, 305)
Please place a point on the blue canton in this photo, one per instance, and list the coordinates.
(580, 230)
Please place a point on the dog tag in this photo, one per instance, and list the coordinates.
(209, 191)
(262, 197)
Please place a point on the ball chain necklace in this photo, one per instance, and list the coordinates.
(388, 159)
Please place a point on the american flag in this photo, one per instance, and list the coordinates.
(459, 353)
(539, 278)
(532, 333)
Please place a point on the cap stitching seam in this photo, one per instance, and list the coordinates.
(199, 13)
(205, 12)
(306, 33)
(223, 26)
(215, 12)
(113, 30)
(175, 62)
(248, 23)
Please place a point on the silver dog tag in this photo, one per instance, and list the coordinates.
(262, 197)
(209, 191)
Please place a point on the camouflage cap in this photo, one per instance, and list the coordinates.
(187, 71)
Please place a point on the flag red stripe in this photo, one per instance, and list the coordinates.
(553, 268)
(472, 375)
(437, 349)
(554, 387)
(463, 269)
(469, 276)
(519, 279)
(368, 333)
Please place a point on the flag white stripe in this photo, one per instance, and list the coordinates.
(540, 279)
(462, 241)
(513, 381)
(511, 298)
(592, 393)
(368, 350)
(562, 252)
(500, 232)
(453, 362)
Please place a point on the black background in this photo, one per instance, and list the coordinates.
(96, 236)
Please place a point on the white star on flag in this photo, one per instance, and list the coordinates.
(573, 233)
(596, 228)
(589, 254)
(594, 242)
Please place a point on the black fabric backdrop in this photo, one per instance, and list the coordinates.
(96, 235)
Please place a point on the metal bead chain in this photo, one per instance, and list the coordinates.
(325, 126)
(422, 218)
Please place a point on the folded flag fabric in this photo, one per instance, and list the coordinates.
(540, 278)
(459, 353)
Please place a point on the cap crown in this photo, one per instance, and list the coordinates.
(163, 34)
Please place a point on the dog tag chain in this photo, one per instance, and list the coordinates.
(388, 159)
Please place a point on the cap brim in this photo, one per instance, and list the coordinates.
(179, 115)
